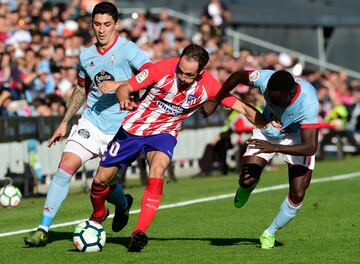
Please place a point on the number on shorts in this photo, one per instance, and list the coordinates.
(114, 149)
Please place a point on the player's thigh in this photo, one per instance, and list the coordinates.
(84, 140)
(252, 164)
(158, 163)
(305, 161)
(251, 152)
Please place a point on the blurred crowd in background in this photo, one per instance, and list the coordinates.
(40, 43)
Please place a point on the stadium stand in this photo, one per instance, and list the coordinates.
(40, 42)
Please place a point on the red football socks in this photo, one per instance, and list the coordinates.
(150, 203)
(97, 196)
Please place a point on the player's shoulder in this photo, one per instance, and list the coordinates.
(255, 75)
(208, 78)
(260, 78)
(306, 87)
(87, 51)
(170, 61)
(167, 65)
(308, 100)
(124, 43)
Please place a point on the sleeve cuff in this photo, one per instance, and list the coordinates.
(309, 125)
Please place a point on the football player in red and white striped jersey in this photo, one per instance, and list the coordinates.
(176, 88)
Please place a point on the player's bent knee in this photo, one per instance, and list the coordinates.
(250, 175)
(102, 178)
(97, 181)
(68, 167)
(297, 196)
(70, 163)
(157, 171)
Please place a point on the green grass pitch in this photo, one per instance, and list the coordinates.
(326, 230)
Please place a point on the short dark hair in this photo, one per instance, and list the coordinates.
(198, 54)
(106, 8)
(281, 81)
(36, 102)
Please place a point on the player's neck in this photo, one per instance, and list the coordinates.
(107, 46)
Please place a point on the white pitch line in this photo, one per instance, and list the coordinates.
(201, 200)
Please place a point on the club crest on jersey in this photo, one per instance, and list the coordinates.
(142, 76)
(102, 77)
(254, 76)
(84, 133)
(192, 99)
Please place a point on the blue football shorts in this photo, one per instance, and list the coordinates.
(124, 148)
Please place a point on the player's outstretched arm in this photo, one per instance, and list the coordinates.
(250, 112)
(76, 101)
(231, 82)
(308, 146)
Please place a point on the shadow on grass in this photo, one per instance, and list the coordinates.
(124, 241)
(221, 241)
(56, 236)
(114, 239)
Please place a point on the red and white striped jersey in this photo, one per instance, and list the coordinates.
(165, 107)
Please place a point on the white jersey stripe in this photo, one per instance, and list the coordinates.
(166, 106)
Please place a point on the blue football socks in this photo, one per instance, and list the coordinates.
(117, 196)
(287, 212)
(57, 193)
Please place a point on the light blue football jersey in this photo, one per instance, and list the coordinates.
(303, 110)
(115, 64)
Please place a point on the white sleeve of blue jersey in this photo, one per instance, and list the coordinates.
(135, 56)
(260, 79)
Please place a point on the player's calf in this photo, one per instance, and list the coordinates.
(249, 178)
(121, 217)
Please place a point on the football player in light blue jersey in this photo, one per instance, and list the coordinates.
(111, 60)
(293, 103)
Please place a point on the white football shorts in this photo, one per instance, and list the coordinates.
(86, 140)
(306, 161)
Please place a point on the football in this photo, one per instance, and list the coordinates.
(89, 236)
(10, 196)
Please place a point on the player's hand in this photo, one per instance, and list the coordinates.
(108, 86)
(262, 146)
(128, 104)
(275, 124)
(58, 135)
(208, 108)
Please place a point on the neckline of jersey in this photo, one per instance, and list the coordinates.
(296, 95)
(108, 48)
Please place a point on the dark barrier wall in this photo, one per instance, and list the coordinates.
(20, 128)
(41, 128)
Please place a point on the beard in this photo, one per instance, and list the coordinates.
(182, 85)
